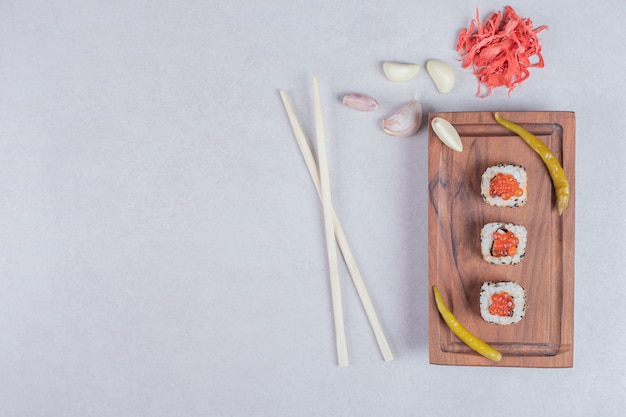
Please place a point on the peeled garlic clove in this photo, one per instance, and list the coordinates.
(404, 122)
(447, 133)
(442, 74)
(360, 102)
(400, 72)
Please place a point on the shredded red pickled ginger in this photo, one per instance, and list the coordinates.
(500, 50)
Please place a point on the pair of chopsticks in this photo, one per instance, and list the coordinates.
(334, 233)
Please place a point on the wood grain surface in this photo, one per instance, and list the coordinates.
(456, 214)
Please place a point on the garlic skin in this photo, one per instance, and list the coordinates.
(360, 102)
(447, 133)
(400, 72)
(442, 74)
(405, 121)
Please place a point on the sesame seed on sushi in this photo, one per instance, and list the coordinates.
(503, 243)
(502, 303)
(505, 185)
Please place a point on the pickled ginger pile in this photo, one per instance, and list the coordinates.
(501, 50)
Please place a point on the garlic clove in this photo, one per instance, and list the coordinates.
(360, 102)
(400, 72)
(405, 121)
(442, 74)
(447, 133)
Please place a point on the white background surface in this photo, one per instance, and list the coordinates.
(161, 244)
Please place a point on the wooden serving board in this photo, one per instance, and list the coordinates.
(456, 214)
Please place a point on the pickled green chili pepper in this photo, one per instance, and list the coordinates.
(559, 179)
(465, 335)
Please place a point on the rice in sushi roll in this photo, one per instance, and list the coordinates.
(502, 303)
(503, 244)
(504, 185)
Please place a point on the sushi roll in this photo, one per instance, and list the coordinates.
(503, 244)
(504, 185)
(502, 303)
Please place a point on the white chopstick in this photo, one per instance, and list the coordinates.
(329, 227)
(357, 279)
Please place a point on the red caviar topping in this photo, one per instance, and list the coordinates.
(504, 244)
(501, 304)
(505, 186)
